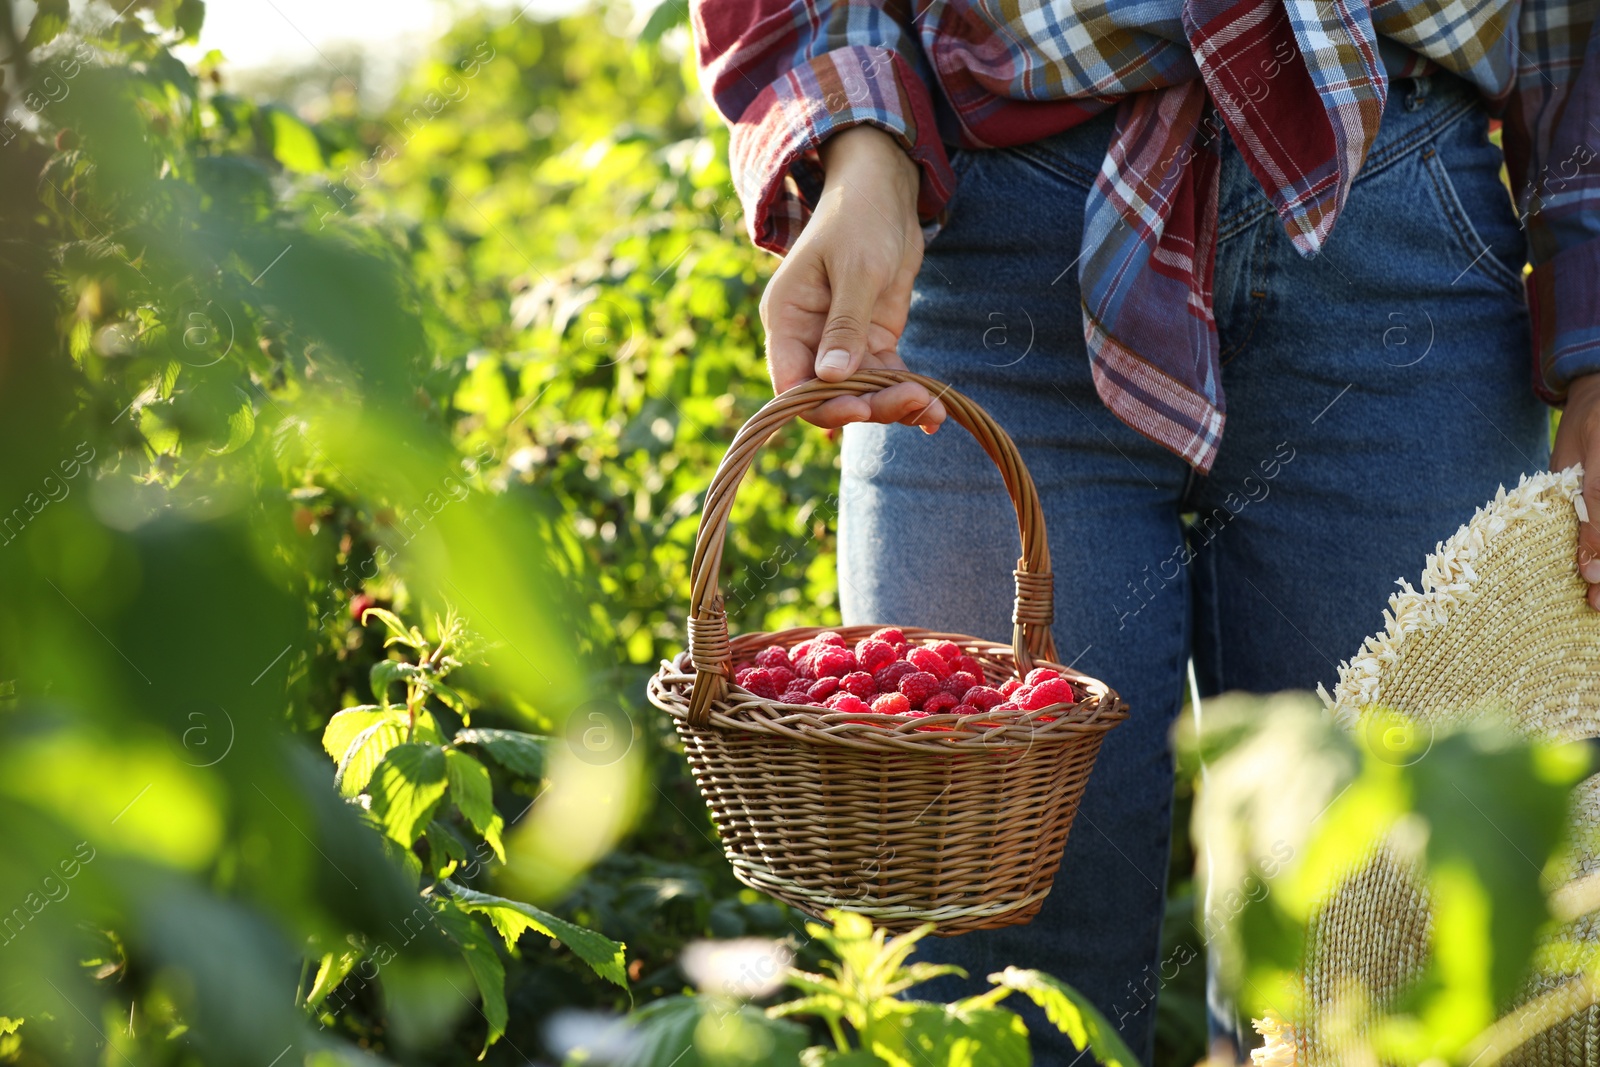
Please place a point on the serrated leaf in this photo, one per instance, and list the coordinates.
(514, 750)
(333, 969)
(473, 793)
(347, 725)
(477, 948)
(407, 786)
(384, 674)
(512, 918)
(1071, 1013)
(397, 629)
(949, 1034)
(366, 751)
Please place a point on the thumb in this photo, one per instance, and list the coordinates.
(844, 338)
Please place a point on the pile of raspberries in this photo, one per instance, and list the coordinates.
(888, 675)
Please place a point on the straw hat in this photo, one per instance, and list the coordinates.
(1501, 621)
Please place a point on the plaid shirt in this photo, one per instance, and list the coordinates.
(1299, 84)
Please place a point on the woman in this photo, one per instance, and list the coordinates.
(1156, 218)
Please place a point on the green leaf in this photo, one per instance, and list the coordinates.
(334, 968)
(293, 143)
(668, 13)
(514, 750)
(366, 751)
(398, 631)
(385, 673)
(1071, 1013)
(408, 785)
(474, 795)
(512, 917)
(920, 1034)
(49, 19)
(347, 725)
(488, 973)
(701, 1032)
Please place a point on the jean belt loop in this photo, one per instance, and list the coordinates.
(1418, 93)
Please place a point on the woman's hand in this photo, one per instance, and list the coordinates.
(840, 299)
(1578, 441)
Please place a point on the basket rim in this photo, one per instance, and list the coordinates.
(737, 709)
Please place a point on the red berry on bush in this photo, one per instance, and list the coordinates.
(926, 659)
(891, 704)
(891, 635)
(860, 683)
(918, 686)
(847, 702)
(1011, 686)
(1050, 691)
(984, 697)
(1040, 674)
(939, 703)
(823, 688)
(959, 682)
(873, 655)
(948, 649)
(359, 605)
(888, 679)
(832, 661)
(773, 656)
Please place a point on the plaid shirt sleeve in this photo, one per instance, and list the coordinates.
(1552, 140)
(786, 76)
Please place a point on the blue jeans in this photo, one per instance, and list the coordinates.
(1376, 395)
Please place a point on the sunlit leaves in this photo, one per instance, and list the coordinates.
(513, 918)
(522, 753)
(1071, 1012)
(406, 788)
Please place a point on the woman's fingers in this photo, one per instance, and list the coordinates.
(1578, 441)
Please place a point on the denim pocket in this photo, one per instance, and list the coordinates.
(1463, 167)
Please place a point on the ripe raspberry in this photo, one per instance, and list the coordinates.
(860, 683)
(918, 686)
(968, 664)
(759, 681)
(800, 656)
(796, 695)
(828, 637)
(959, 682)
(890, 635)
(888, 679)
(823, 688)
(784, 676)
(891, 704)
(1011, 686)
(1020, 697)
(926, 659)
(842, 701)
(966, 709)
(832, 661)
(984, 697)
(1007, 706)
(873, 655)
(1048, 692)
(1040, 674)
(938, 703)
(773, 656)
(948, 649)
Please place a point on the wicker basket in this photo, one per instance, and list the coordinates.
(878, 814)
(1500, 621)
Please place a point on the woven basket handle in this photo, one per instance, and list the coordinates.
(708, 621)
